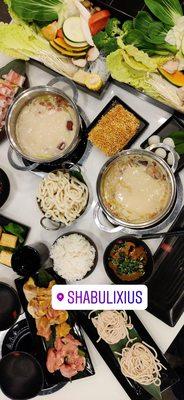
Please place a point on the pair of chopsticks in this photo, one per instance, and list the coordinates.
(158, 235)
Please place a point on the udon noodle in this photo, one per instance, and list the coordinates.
(62, 197)
(141, 364)
(112, 326)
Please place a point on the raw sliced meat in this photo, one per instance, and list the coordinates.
(15, 78)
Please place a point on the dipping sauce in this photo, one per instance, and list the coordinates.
(127, 260)
(46, 127)
(135, 189)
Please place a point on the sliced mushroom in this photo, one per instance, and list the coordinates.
(79, 62)
(92, 54)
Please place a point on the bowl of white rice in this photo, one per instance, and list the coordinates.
(74, 256)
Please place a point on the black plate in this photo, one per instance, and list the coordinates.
(133, 389)
(148, 268)
(40, 344)
(4, 187)
(21, 376)
(18, 66)
(9, 306)
(5, 221)
(74, 157)
(113, 102)
(19, 338)
(166, 296)
(171, 125)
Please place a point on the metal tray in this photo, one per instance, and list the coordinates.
(166, 296)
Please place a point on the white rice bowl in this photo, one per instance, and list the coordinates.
(73, 256)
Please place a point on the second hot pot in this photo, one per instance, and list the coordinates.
(159, 169)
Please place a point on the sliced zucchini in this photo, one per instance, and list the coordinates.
(66, 52)
(74, 44)
(61, 42)
(73, 31)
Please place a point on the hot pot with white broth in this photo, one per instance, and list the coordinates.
(136, 189)
(43, 124)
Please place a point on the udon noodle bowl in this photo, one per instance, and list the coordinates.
(135, 189)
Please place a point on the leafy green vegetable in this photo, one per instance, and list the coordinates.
(127, 26)
(168, 11)
(19, 40)
(178, 137)
(138, 56)
(179, 148)
(43, 278)
(105, 43)
(113, 27)
(42, 10)
(16, 230)
(140, 80)
(18, 66)
(142, 21)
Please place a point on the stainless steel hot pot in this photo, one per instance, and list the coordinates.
(100, 207)
(20, 102)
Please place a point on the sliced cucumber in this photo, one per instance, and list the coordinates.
(73, 31)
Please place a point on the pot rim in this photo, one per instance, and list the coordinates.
(12, 110)
(117, 221)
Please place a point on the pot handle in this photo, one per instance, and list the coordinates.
(69, 82)
(96, 213)
(69, 164)
(56, 225)
(175, 155)
(17, 166)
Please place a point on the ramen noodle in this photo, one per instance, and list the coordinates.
(62, 197)
(135, 189)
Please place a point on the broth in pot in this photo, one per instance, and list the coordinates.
(135, 189)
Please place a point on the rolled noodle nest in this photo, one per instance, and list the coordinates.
(62, 197)
(112, 326)
(141, 364)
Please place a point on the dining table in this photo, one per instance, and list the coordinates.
(22, 207)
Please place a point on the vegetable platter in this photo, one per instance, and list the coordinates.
(153, 37)
(57, 35)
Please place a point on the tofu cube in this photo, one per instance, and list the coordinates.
(8, 240)
(5, 257)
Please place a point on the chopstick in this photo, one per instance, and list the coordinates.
(161, 234)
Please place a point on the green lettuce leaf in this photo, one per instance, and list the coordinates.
(21, 41)
(140, 80)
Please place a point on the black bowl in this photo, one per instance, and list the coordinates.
(10, 307)
(148, 267)
(21, 376)
(92, 244)
(4, 187)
